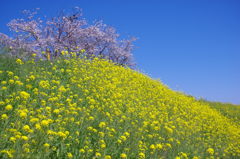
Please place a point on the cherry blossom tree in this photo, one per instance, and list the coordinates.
(66, 32)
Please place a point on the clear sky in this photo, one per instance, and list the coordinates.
(191, 46)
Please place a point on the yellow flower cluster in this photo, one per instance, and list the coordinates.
(19, 61)
(24, 95)
(79, 108)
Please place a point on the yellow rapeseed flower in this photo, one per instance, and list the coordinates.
(4, 88)
(46, 145)
(159, 146)
(56, 111)
(103, 146)
(141, 155)
(82, 151)
(44, 84)
(34, 120)
(61, 134)
(13, 139)
(24, 95)
(210, 151)
(98, 154)
(9, 107)
(2, 102)
(83, 50)
(32, 77)
(62, 89)
(123, 155)
(4, 116)
(4, 82)
(27, 128)
(69, 155)
(101, 134)
(152, 147)
(19, 61)
(23, 114)
(38, 126)
(102, 124)
(11, 81)
(107, 157)
(25, 138)
(123, 138)
(44, 122)
(9, 153)
(10, 73)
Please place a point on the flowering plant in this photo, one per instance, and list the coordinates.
(65, 32)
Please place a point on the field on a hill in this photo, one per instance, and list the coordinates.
(227, 109)
(77, 108)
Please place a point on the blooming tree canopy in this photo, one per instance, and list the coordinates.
(66, 32)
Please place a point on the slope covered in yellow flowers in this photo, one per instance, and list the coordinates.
(76, 108)
(229, 110)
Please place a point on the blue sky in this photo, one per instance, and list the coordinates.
(191, 46)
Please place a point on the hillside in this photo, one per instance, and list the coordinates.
(76, 108)
(229, 110)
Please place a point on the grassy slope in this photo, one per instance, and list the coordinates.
(83, 109)
(228, 110)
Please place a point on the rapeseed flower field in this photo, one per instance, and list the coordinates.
(76, 108)
(229, 110)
